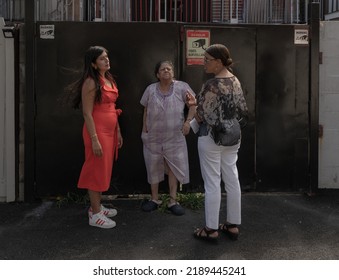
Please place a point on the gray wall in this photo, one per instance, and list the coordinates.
(329, 105)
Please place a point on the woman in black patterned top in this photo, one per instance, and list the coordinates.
(221, 101)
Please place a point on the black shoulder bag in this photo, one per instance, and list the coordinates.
(227, 131)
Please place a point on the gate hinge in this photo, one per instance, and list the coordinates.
(320, 57)
(321, 131)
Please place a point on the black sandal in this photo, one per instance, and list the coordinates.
(198, 233)
(225, 229)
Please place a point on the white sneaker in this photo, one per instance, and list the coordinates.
(101, 221)
(108, 212)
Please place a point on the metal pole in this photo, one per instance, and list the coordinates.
(150, 10)
(165, 10)
(175, 10)
(314, 22)
(29, 157)
(103, 10)
(64, 8)
(73, 11)
(237, 11)
(291, 8)
(11, 11)
(198, 17)
(89, 8)
(81, 15)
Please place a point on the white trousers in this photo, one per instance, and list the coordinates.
(219, 163)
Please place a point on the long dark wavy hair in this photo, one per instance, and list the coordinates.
(89, 71)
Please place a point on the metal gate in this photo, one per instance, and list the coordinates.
(282, 110)
(134, 50)
(270, 65)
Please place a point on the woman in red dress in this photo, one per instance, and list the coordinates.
(97, 93)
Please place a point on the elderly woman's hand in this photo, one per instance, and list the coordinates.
(190, 99)
(186, 128)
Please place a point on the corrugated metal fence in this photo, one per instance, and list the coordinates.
(228, 11)
(12, 10)
(276, 11)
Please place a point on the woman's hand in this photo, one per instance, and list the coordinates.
(190, 99)
(96, 146)
(186, 128)
(120, 140)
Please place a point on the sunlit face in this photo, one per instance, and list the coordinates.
(165, 72)
(102, 63)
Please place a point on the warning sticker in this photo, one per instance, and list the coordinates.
(301, 36)
(196, 43)
(46, 31)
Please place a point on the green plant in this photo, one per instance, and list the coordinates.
(72, 198)
(194, 201)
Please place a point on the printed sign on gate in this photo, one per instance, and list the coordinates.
(196, 43)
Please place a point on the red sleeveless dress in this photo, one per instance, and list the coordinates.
(96, 171)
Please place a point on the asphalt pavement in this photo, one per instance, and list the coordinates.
(275, 226)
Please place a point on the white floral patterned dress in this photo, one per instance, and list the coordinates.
(164, 140)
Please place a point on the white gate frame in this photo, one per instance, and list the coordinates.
(7, 117)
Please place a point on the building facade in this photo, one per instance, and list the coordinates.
(223, 11)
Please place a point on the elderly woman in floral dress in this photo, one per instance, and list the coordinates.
(163, 135)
